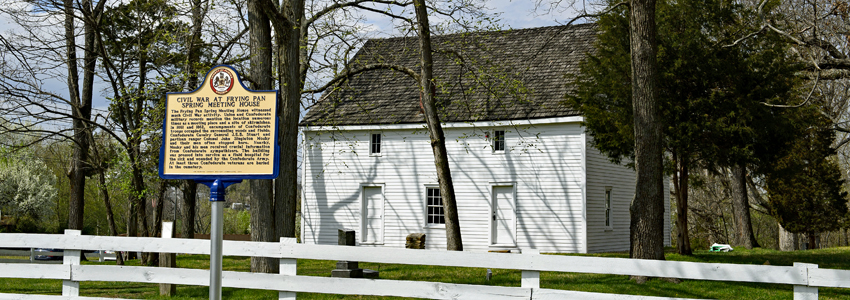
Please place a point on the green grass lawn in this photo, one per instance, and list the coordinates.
(834, 258)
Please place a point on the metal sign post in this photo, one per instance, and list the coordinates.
(217, 199)
(216, 237)
(219, 135)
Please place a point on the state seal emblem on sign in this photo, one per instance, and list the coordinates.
(222, 81)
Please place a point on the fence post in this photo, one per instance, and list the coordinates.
(805, 292)
(32, 254)
(530, 279)
(71, 257)
(167, 260)
(288, 266)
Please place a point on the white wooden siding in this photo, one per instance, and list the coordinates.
(545, 162)
(601, 173)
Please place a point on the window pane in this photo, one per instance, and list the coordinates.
(434, 207)
(608, 207)
(499, 140)
(375, 145)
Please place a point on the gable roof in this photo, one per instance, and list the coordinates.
(500, 75)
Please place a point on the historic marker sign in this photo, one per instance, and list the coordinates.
(222, 130)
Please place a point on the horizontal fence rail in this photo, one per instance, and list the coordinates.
(806, 278)
(41, 256)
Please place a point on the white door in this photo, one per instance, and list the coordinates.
(504, 216)
(372, 216)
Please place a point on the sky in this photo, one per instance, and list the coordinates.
(512, 13)
(521, 14)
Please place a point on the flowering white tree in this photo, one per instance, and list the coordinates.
(27, 187)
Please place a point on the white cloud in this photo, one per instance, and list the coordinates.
(524, 13)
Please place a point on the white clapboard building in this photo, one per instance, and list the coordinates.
(525, 174)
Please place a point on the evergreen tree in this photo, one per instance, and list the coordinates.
(805, 185)
(710, 96)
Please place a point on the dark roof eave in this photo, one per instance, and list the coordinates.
(303, 124)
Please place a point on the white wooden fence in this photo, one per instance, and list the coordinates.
(806, 278)
(31, 254)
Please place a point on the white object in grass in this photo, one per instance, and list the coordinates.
(720, 248)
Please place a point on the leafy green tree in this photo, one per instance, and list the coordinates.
(137, 46)
(710, 96)
(805, 185)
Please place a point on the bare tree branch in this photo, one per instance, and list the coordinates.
(808, 97)
(376, 66)
(340, 5)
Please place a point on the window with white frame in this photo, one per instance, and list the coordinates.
(608, 222)
(434, 207)
(375, 144)
(499, 141)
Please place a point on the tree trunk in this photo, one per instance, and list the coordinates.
(680, 182)
(190, 187)
(89, 64)
(647, 207)
(133, 114)
(153, 258)
(788, 241)
(262, 206)
(158, 209)
(741, 209)
(435, 130)
(81, 106)
(813, 240)
(190, 195)
(76, 203)
(110, 218)
(132, 218)
(194, 46)
(139, 200)
(286, 186)
(262, 223)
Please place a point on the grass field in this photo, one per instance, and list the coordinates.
(834, 258)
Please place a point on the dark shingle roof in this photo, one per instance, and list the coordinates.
(505, 75)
